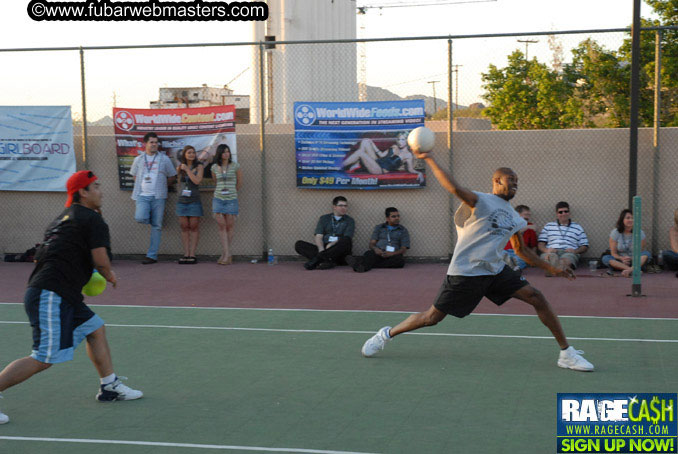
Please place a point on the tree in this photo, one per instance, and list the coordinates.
(593, 90)
(667, 10)
(601, 85)
(526, 95)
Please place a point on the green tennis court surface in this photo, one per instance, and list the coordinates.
(294, 381)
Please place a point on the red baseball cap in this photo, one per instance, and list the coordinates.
(79, 180)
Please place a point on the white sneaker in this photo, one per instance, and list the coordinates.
(4, 419)
(117, 391)
(376, 343)
(572, 359)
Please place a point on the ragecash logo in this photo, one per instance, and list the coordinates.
(124, 120)
(305, 115)
(624, 423)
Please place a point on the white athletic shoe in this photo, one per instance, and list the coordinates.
(572, 359)
(117, 391)
(376, 343)
(4, 419)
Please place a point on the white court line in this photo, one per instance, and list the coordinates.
(331, 331)
(350, 311)
(178, 445)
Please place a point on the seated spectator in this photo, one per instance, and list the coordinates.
(333, 238)
(561, 243)
(388, 245)
(671, 256)
(529, 237)
(621, 246)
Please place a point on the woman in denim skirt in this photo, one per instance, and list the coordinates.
(189, 207)
(225, 202)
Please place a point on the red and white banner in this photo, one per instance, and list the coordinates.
(204, 128)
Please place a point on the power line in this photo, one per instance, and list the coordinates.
(362, 8)
(413, 80)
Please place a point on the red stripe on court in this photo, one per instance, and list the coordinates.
(289, 285)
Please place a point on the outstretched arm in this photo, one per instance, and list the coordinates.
(533, 259)
(449, 183)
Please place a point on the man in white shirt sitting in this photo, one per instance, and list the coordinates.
(561, 243)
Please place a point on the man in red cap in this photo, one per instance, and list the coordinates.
(74, 244)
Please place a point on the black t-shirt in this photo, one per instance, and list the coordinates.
(64, 259)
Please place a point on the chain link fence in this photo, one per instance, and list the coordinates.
(585, 163)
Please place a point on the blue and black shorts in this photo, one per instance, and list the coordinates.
(459, 295)
(58, 325)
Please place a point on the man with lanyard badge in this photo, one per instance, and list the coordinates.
(561, 243)
(153, 172)
(388, 245)
(333, 238)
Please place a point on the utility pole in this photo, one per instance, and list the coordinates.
(435, 102)
(456, 85)
(527, 43)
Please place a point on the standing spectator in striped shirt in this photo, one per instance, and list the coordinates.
(561, 243)
(225, 202)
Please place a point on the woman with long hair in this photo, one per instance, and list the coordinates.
(189, 208)
(396, 158)
(621, 245)
(225, 202)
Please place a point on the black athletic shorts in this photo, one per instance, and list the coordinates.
(459, 295)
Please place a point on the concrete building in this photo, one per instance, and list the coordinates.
(204, 96)
(304, 72)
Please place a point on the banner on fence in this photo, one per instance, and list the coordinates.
(357, 145)
(203, 128)
(36, 148)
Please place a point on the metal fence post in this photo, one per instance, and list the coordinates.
(449, 139)
(84, 108)
(635, 88)
(262, 150)
(655, 141)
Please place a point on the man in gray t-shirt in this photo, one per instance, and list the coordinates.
(485, 222)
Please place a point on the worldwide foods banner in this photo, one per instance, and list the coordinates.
(36, 148)
(357, 145)
(203, 128)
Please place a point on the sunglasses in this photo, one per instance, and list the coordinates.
(563, 211)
